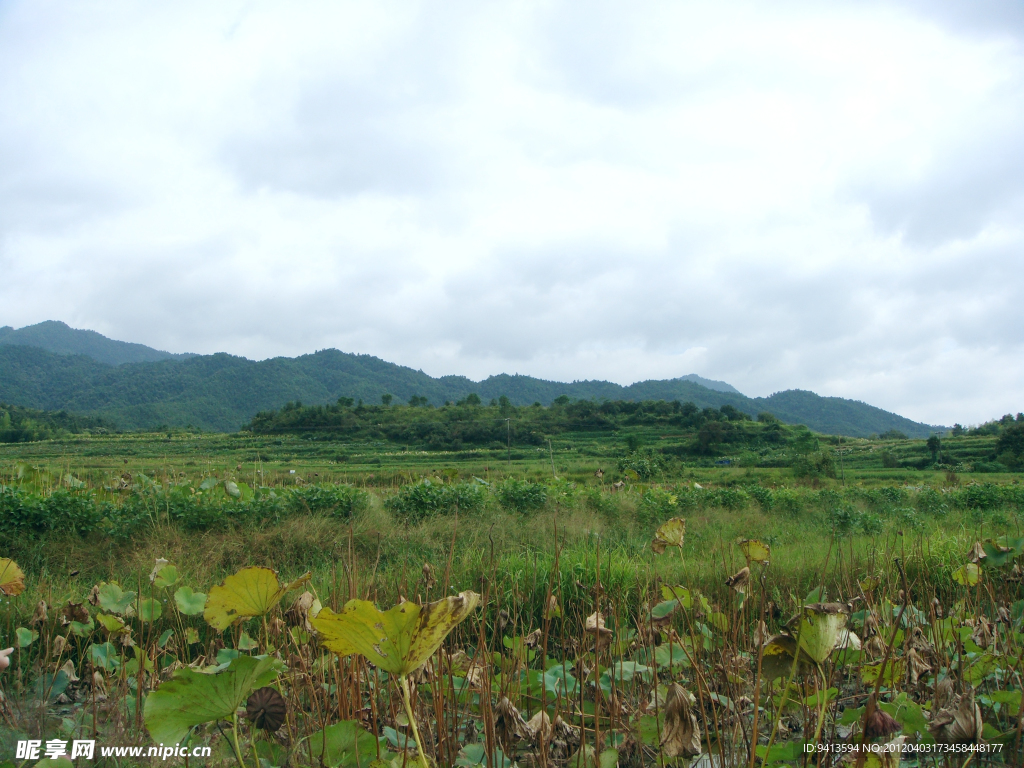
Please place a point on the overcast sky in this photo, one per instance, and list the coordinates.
(814, 195)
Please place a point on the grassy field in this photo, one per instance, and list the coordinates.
(520, 526)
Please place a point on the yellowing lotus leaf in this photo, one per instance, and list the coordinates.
(399, 640)
(968, 574)
(12, 580)
(755, 551)
(250, 592)
(669, 534)
(820, 632)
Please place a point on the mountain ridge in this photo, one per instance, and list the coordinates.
(61, 339)
(221, 391)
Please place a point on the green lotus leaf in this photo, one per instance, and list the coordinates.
(189, 603)
(26, 636)
(343, 744)
(399, 640)
(112, 624)
(191, 698)
(819, 632)
(166, 577)
(149, 609)
(112, 599)
(250, 592)
(104, 656)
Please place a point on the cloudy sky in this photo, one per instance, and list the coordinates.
(824, 196)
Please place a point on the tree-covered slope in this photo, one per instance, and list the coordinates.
(222, 392)
(837, 416)
(61, 339)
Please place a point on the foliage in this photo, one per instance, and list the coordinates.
(520, 495)
(427, 498)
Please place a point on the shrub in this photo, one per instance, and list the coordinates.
(843, 520)
(641, 463)
(817, 464)
(931, 502)
(338, 500)
(656, 506)
(521, 495)
(764, 496)
(788, 501)
(732, 498)
(426, 499)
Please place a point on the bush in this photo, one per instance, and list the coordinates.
(732, 498)
(817, 464)
(788, 501)
(426, 499)
(521, 496)
(656, 506)
(641, 463)
(764, 496)
(843, 520)
(338, 500)
(931, 502)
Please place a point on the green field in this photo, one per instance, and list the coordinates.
(549, 513)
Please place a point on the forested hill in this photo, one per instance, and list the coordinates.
(61, 339)
(221, 392)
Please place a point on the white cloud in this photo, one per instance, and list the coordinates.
(803, 195)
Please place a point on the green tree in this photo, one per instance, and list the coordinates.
(1011, 440)
(386, 399)
(934, 444)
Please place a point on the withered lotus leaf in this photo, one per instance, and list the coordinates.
(253, 591)
(681, 737)
(739, 580)
(12, 580)
(755, 551)
(398, 640)
(960, 723)
(670, 534)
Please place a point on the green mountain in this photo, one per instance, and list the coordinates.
(222, 392)
(61, 339)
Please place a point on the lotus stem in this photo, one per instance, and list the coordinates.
(406, 699)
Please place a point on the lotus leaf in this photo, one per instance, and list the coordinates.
(670, 534)
(191, 698)
(755, 551)
(112, 599)
(968, 574)
(149, 609)
(250, 592)
(166, 577)
(820, 631)
(12, 580)
(189, 603)
(343, 744)
(104, 656)
(399, 640)
(26, 636)
(112, 624)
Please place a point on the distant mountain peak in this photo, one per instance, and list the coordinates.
(718, 386)
(60, 338)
